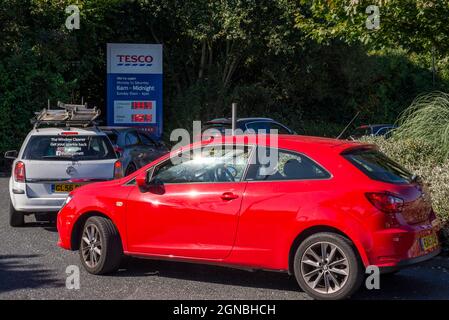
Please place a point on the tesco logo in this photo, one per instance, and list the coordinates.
(134, 60)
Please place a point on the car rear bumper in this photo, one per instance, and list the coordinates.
(401, 247)
(23, 203)
(410, 262)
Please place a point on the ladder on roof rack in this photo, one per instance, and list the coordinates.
(68, 115)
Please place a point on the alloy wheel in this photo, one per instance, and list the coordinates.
(91, 245)
(325, 267)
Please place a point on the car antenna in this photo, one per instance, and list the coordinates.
(347, 126)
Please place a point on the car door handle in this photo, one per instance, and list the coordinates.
(229, 196)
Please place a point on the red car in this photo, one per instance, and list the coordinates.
(320, 209)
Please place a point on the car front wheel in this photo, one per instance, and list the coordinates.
(100, 248)
(327, 267)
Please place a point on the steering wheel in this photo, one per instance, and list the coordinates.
(222, 174)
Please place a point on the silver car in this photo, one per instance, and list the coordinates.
(54, 161)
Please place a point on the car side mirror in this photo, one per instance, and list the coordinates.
(11, 154)
(145, 184)
(141, 180)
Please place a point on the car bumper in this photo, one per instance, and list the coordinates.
(410, 262)
(23, 203)
(401, 247)
(65, 221)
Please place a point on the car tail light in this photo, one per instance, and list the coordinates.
(19, 171)
(118, 172)
(387, 203)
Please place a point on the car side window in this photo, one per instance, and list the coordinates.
(146, 140)
(131, 138)
(287, 165)
(211, 164)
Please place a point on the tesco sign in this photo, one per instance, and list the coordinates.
(132, 58)
(135, 86)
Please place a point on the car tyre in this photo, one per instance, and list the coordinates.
(16, 218)
(327, 267)
(100, 248)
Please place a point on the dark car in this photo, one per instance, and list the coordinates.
(372, 130)
(136, 147)
(246, 124)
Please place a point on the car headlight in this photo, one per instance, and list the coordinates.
(67, 200)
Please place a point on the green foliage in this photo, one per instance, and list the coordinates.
(427, 119)
(417, 25)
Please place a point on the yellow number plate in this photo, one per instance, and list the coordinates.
(429, 242)
(64, 187)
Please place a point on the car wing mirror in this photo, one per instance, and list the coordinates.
(145, 184)
(11, 154)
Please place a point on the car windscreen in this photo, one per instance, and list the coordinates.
(378, 166)
(76, 147)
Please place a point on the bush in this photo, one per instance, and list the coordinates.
(427, 119)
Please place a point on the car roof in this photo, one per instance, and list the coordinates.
(229, 120)
(291, 142)
(91, 131)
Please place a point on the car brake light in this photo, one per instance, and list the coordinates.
(118, 172)
(387, 203)
(69, 133)
(19, 172)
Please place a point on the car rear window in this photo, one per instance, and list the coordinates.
(69, 148)
(378, 166)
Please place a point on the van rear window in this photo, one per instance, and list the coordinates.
(378, 166)
(69, 148)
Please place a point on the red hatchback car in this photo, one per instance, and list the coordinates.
(321, 209)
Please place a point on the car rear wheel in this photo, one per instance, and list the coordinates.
(100, 248)
(327, 267)
(16, 218)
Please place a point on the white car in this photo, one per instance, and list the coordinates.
(54, 161)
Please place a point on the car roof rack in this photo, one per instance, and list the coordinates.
(68, 115)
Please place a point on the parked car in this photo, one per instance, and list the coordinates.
(245, 124)
(323, 210)
(372, 130)
(135, 147)
(51, 163)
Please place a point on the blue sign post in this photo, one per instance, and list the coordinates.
(135, 86)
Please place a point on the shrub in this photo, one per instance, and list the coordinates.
(427, 119)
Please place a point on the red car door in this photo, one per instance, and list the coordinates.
(195, 212)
